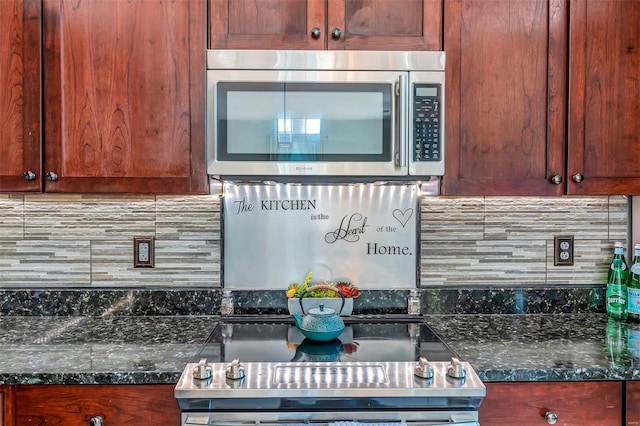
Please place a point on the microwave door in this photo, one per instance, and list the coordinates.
(338, 123)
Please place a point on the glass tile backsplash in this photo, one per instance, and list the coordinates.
(79, 241)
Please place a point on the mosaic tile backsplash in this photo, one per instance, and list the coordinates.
(86, 241)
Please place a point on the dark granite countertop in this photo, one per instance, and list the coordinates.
(154, 349)
(99, 350)
(543, 347)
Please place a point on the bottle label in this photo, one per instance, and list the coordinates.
(617, 301)
(623, 266)
(633, 304)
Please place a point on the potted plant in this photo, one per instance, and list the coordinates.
(337, 295)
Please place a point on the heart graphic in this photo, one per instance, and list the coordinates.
(403, 216)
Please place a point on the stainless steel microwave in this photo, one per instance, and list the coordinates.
(325, 113)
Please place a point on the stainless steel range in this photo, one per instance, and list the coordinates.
(378, 371)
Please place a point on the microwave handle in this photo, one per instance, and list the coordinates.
(401, 137)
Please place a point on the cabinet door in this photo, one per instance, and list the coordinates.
(77, 404)
(604, 99)
(267, 24)
(20, 95)
(575, 404)
(124, 96)
(6, 406)
(505, 116)
(633, 404)
(385, 24)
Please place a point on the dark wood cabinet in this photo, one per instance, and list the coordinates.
(574, 403)
(633, 404)
(326, 24)
(124, 90)
(604, 97)
(6, 405)
(77, 404)
(20, 133)
(506, 92)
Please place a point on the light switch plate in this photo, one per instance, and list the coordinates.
(143, 252)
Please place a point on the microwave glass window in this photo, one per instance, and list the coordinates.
(304, 121)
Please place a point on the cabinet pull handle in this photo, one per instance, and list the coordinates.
(316, 32)
(51, 177)
(96, 421)
(556, 180)
(577, 178)
(29, 175)
(336, 33)
(551, 417)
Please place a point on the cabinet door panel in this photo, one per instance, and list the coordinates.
(266, 24)
(385, 24)
(20, 94)
(506, 96)
(6, 405)
(124, 90)
(77, 404)
(633, 404)
(575, 404)
(604, 132)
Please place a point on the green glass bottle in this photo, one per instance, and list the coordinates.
(616, 298)
(618, 253)
(616, 341)
(633, 286)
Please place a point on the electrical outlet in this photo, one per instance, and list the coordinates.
(143, 252)
(563, 250)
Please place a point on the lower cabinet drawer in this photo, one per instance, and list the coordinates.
(573, 403)
(72, 405)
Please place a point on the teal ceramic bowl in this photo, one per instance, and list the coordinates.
(321, 336)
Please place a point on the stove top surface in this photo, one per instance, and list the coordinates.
(364, 339)
(266, 365)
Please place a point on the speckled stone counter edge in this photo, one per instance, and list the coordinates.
(154, 302)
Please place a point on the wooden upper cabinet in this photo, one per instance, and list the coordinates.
(326, 24)
(604, 98)
(505, 116)
(267, 24)
(124, 96)
(384, 24)
(20, 137)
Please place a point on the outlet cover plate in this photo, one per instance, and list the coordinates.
(143, 252)
(563, 250)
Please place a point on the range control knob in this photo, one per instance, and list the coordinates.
(423, 369)
(455, 369)
(202, 371)
(235, 370)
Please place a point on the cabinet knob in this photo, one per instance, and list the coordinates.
(577, 178)
(551, 417)
(29, 175)
(336, 33)
(556, 180)
(51, 176)
(316, 32)
(96, 421)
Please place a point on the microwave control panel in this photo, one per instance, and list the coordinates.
(426, 122)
